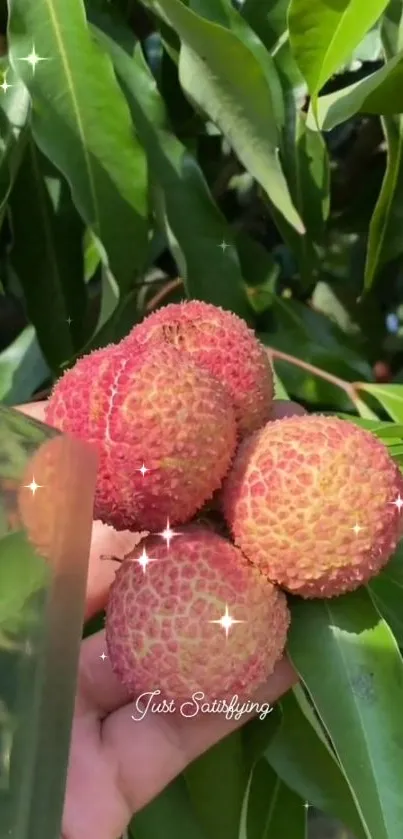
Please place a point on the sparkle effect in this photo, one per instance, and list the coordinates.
(33, 486)
(357, 529)
(398, 502)
(33, 59)
(103, 656)
(5, 86)
(224, 246)
(69, 321)
(168, 534)
(144, 560)
(143, 470)
(226, 621)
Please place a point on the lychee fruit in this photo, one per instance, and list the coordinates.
(222, 343)
(57, 487)
(168, 625)
(165, 431)
(310, 501)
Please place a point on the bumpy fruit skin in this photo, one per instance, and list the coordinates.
(151, 407)
(158, 624)
(299, 490)
(223, 344)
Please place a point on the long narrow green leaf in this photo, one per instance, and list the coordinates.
(14, 114)
(385, 232)
(185, 205)
(82, 123)
(47, 255)
(223, 76)
(274, 810)
(350, 663)
(304, 761)
(323, 34)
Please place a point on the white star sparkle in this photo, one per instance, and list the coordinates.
(33, 486)
(168, 534)
(145, 560)
(307, 806)
(69, 321)
(226, 621)
(224, 245)
(357, 529)
(143, 469)
(5, 86)
(398, 502)
(103, 656)
(33, 58)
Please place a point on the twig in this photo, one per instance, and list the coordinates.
(350, 388)
(160, 296)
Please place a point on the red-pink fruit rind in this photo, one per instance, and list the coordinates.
(150, 407)
(160, 625)
(222, 343)
(309, 501)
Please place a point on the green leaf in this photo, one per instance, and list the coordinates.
(323, 34)
(22, 368)
(387, 592)
(385, 239)
(82, 123)
(389, 396)
(268, 21)
(362, 669)
(306, 166)
(379, 93)
(305, 762)
(209, 272)
(22, 573)
(169, 816)
(274, 810)
(14, 113)
(216, 783)
(48, 256)
(223, 76)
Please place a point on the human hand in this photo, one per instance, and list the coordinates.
(117, 765)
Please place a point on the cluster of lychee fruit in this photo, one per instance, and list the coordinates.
(180, 413)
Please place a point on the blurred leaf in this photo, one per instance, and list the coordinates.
(307, 335)
(222, 74)
(47, 255)
(22, 573)
(14, 113)
(387, 592)
(22, 368)
(268, 21)
(195, 227)
(216, 783)
(274, 810)
(82, 123)
(379, 93)
(385, 232)
(306, 763)
(169, 816)
(362, 667)
(306, 167)
(389, 396)
(323, 34)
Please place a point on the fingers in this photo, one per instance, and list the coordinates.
(105, 542)
(165, 743)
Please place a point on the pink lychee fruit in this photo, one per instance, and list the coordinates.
(165, 431)
(168, 625)
(222, 343)
(310, 501)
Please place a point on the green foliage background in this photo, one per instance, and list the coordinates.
(249, 155)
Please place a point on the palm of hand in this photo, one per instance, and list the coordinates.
(118, 764)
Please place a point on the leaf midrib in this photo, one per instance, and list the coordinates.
(76, 108)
